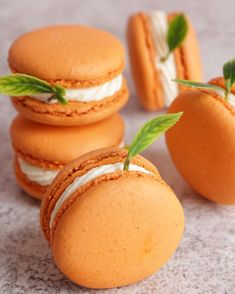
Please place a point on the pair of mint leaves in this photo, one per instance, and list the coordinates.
(229, 79)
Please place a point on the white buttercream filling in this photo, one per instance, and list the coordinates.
(96, 93)
(39, 175)
(90, 175)
(167, 69)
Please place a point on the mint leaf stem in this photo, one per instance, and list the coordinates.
(226, 94)
(126, 164)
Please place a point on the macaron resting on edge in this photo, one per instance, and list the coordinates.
(107, 227)
(205, 137)
(146, 34)
(41, 150)
(87, 62)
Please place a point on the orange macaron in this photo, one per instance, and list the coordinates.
(202, 144)
(108, 227)
(86, 62)
(41, 151)
(147, 42)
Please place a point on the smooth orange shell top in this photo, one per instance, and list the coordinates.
(52, 146)
(202, 144)
(68, 52)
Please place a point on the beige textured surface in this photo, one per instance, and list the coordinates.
(205, 261)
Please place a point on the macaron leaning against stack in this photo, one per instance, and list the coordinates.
(110, 218)
(162, 47)
(83, 63)
(42, 150)
(202, 144)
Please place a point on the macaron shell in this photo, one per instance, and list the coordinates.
(120, 236)
(78, 168)
(52, 147)
(202, 144)
(74, 113)
(142, 56)
(31, 188)
(73, 55)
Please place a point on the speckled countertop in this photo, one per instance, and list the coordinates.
(205, 260)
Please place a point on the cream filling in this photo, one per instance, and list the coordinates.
(231, 97)
(167, 69)
(86, 94)
(90, 175)
(39, 175)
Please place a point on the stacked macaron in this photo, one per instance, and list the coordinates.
(84, 67)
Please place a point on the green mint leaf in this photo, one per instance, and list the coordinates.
(21, 84)
(199, 85)
(176, 33)
(229, 75)
(149, 133)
